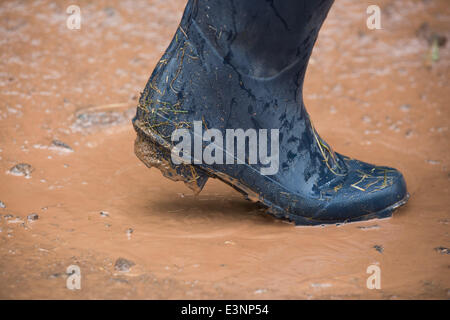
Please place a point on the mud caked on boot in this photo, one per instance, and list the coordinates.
(225, 101)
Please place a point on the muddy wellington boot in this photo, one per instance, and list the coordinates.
(236, 68)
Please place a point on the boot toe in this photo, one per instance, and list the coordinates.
(367, 192)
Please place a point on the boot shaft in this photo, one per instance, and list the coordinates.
(260, 38)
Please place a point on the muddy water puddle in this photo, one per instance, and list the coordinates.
(81, 197)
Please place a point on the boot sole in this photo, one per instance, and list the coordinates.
(155, 152)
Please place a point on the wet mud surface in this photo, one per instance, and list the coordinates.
(72, 192)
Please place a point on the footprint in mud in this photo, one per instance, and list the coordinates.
(101, 117)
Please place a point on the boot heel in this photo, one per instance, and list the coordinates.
(154, 155)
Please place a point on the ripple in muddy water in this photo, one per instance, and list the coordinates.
(101, 117)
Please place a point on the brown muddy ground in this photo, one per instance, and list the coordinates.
(378, 95)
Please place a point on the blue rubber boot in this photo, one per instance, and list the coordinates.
(240, 65)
